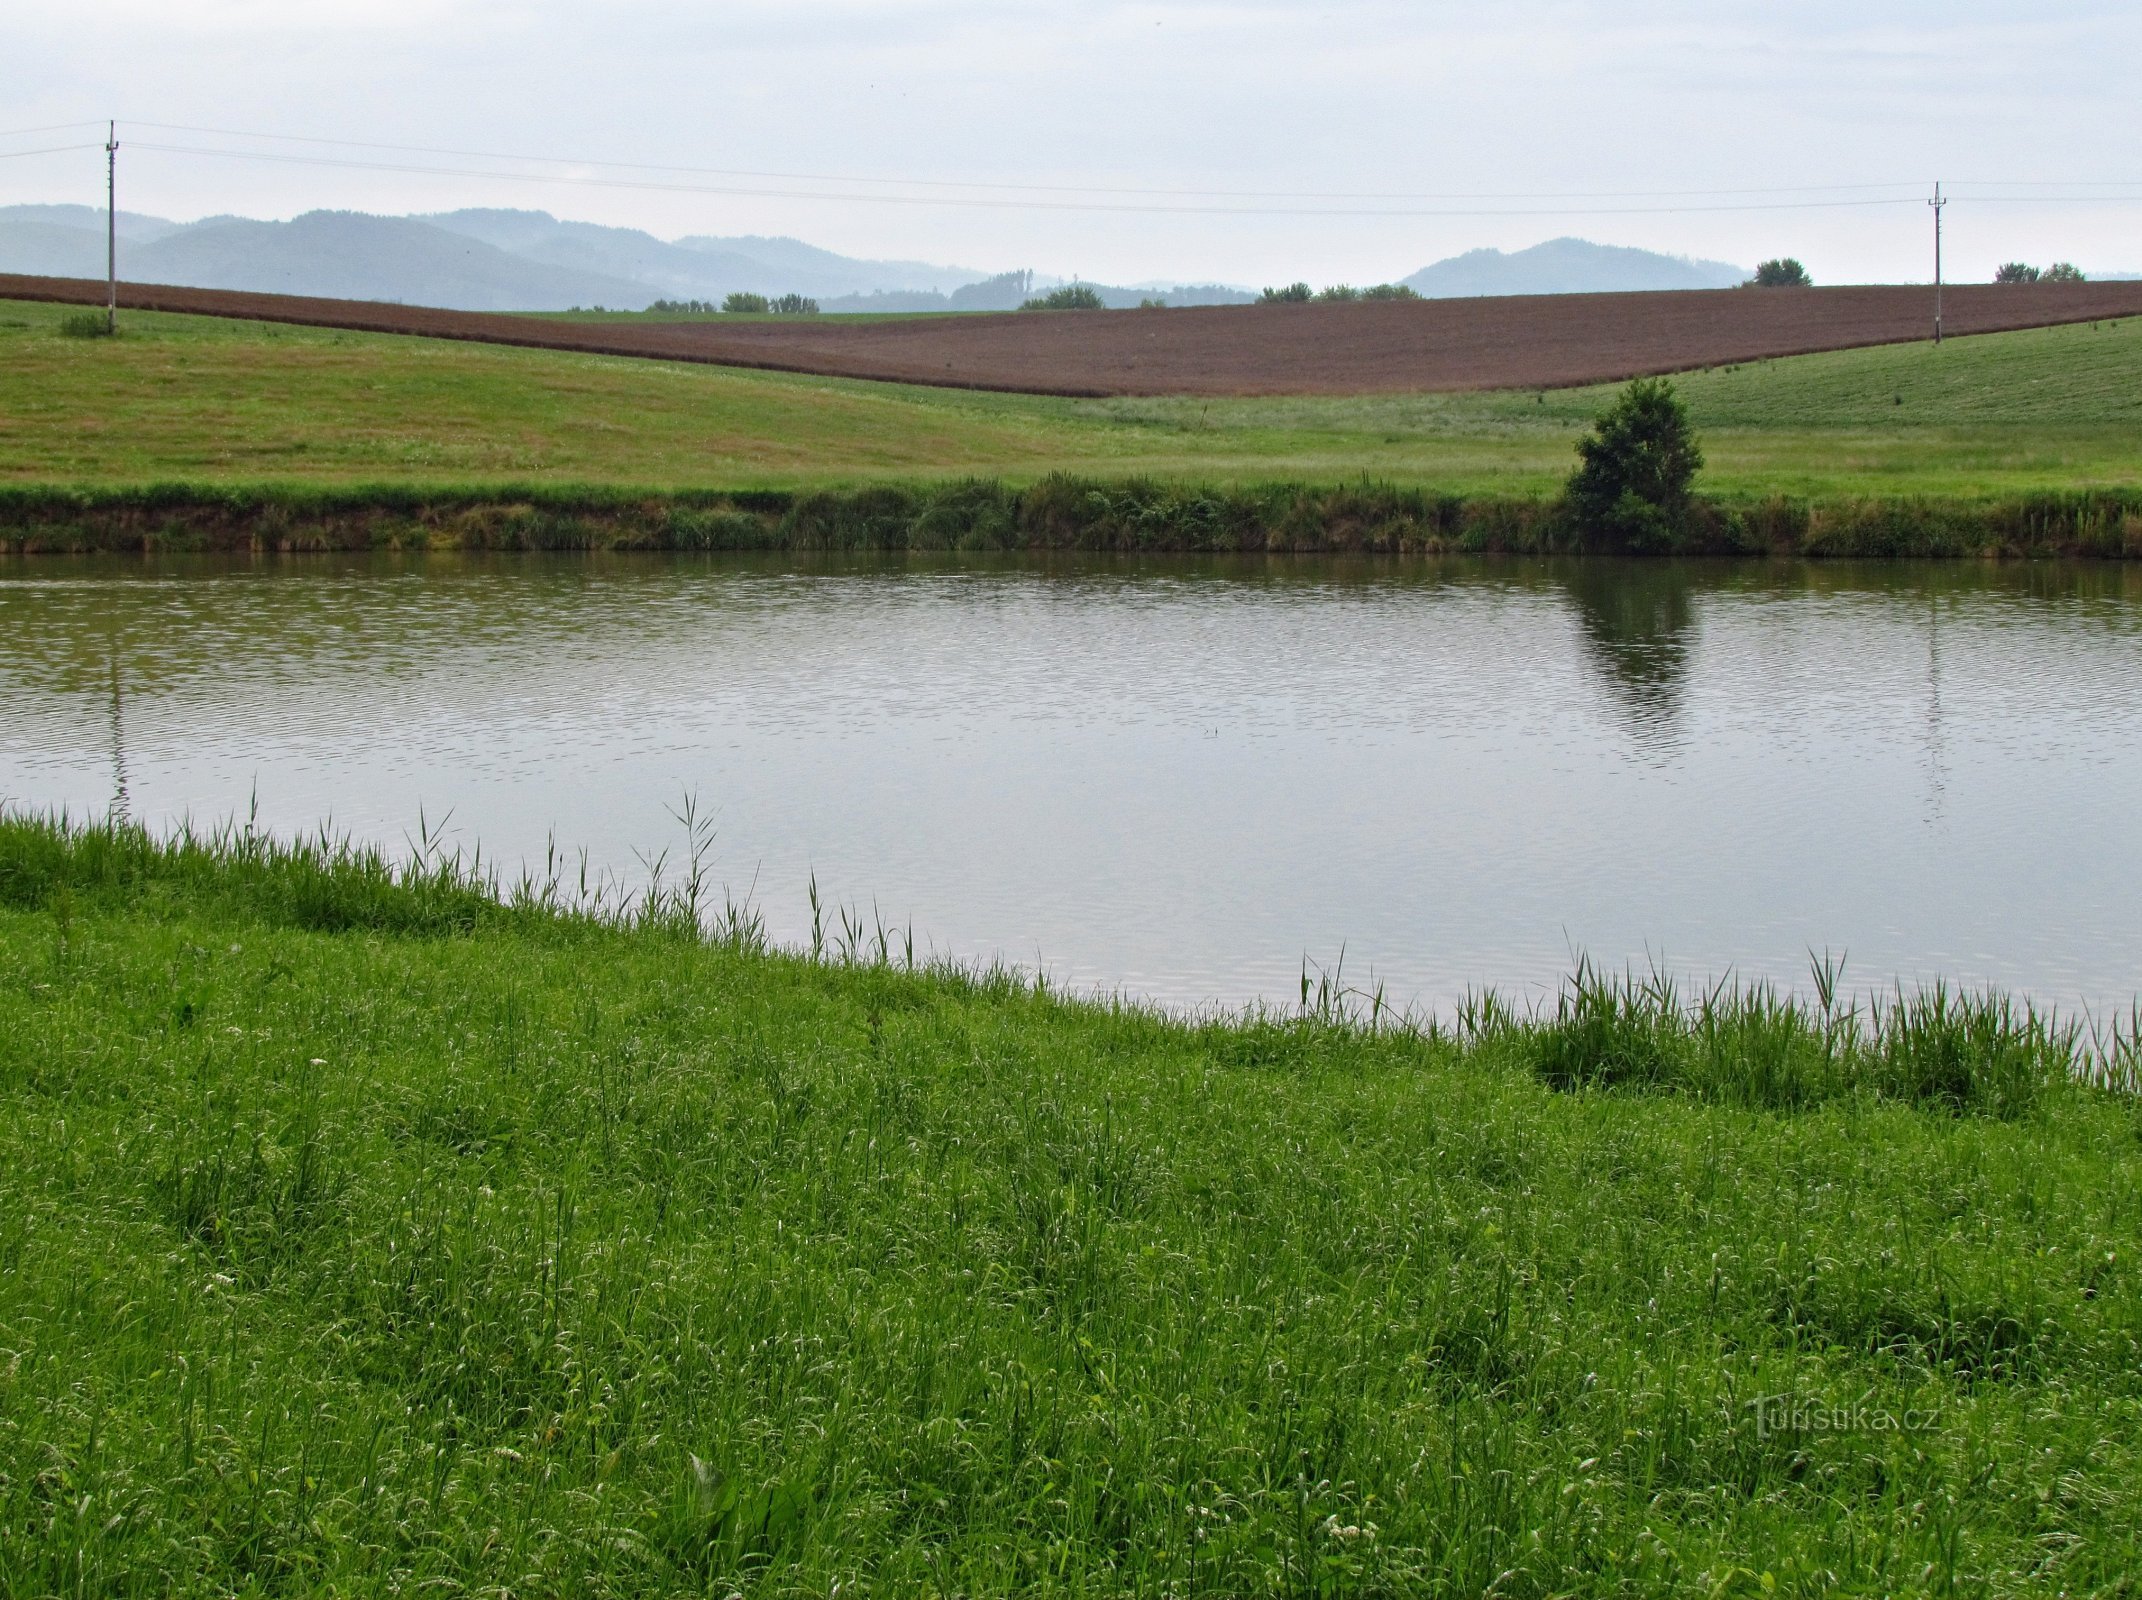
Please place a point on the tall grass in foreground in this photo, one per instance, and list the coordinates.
(1746, 1045)
(374, 1226)
(1750, 1046)
(331, 884)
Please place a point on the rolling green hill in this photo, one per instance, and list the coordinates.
(200, 400)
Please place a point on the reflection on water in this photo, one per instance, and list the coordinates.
(1637, 620)
(1179, 777)
(121, 809)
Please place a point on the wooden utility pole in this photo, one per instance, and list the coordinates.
(1937, 203)
(111, 227)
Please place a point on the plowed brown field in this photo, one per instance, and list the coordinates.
(1528, 342)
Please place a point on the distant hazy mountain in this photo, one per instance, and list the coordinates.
(836, 274)
(348, 256)
(469, 260)
(1011, 290)
(47, 250)
(696, 268)
(1007, 291)
(1568, 266)
(132, 224)
(503, 260)
(67, 241)
(624, 255)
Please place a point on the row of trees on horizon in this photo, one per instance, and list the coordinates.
(1786, 273)
(1783, 272)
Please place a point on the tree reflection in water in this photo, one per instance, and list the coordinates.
(1638, 622)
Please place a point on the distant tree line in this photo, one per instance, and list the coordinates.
(1017, 291)
(786, 305)
(781, 305)
(1786, 273)
(1298, 293)
(1783, 273)
(1100, 297)
(2021, 272)
(1082, 297)
(1071, 297)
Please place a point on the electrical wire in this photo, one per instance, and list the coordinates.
(1008, 205)
(49, 150)
(50, 127)
(2051, 199)
(1027, 188)
(999, 196)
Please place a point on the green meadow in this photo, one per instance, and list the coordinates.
(208, 402)
(369, 1231)
(384, 1229)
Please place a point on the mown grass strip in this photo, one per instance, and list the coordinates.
(366, 1228)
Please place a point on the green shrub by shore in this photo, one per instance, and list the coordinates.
(1055, 513)
(366, 1230)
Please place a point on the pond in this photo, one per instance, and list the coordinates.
(1177, 779)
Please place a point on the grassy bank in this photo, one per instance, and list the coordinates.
(223, 404)
(1054, 513)
(366, 1232)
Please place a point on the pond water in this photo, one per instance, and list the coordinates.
(1179, 779)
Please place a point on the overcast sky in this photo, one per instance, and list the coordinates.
(1572, 99)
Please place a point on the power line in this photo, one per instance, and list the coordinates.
(1002, 196)
(2053, 183)
(2047, 199)
(1027, 188)
(50, 127)
(1488, 204)
(48, 150)
(1010, 205)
